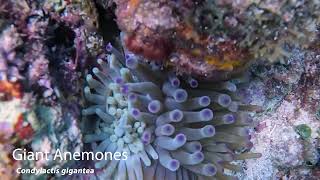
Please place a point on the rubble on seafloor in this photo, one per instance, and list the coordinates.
(48, 47)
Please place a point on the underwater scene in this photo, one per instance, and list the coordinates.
(160, 89)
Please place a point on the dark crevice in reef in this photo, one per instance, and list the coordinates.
(61, 35)
(108, 27)
(61, 42)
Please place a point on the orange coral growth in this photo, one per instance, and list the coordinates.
(133, 3)
(9, 90)
(228, 57)
(221, 65)
(132, 6)
(156, 49)
(22, 130)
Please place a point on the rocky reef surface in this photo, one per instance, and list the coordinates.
(203, 85)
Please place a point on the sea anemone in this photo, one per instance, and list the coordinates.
(171, 127)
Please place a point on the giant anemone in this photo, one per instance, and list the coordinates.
(171, 127)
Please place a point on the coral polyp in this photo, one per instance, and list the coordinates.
(171, 127)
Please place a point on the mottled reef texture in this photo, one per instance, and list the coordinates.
(47, 49)
(43, 54)
(215, 39)
(290, 95)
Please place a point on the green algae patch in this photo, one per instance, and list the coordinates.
(303, 130)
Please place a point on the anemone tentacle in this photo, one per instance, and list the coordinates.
(171, 127)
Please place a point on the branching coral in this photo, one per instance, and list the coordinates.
(171, 127)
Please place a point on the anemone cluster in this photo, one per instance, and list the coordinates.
(171, 127)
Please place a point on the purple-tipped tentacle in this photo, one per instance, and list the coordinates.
(186, 158)
(114, 51)
(165, 130)
(167, 161)
(178, 94)
(191, 104)
(142, 116)
(170, 116)
(144, 99)
(223, 118)
(200, 116)
(192, 146)
(146, 88)
(198, 134)
(155, 106)
(193, 82)
(174, 81)
(136, 113)
(147, 136)
(169, 143)
(118, 80)
(228, 118)
(131, 63)
(230, 86)
(132, 97)
(223, 100)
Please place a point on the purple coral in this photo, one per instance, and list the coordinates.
(171, 129)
